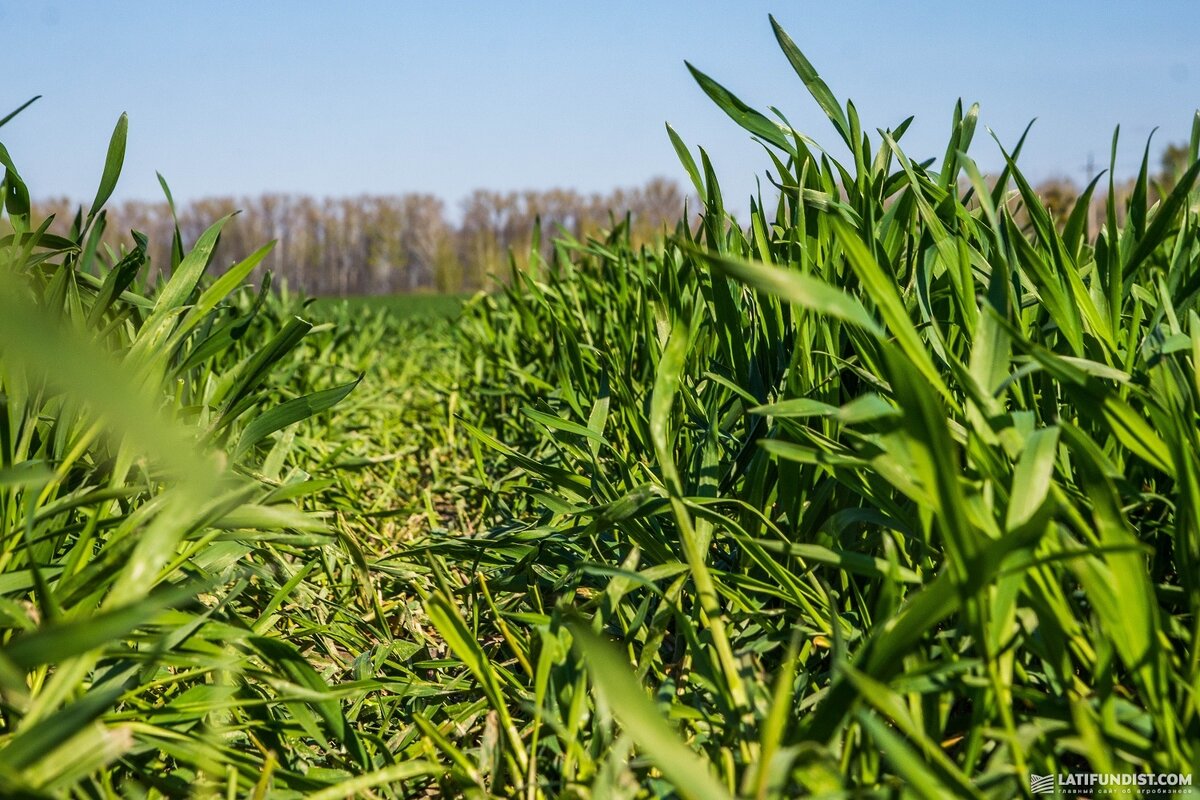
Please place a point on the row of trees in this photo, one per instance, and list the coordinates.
(1060, 194)
(404, 243)
(393, 243)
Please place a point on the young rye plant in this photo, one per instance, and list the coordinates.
(160, 575)
(895, 488)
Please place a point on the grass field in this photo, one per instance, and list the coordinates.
(410, 306)
(890, 490)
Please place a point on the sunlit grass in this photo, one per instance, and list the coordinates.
(891, 489)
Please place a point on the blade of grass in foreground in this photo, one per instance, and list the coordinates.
(637, 715)
(695, 546)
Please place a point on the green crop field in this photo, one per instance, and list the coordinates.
(891, 489)
(409, 306)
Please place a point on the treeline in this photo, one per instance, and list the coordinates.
(383, 244)
(386, 244)
(1061, 194)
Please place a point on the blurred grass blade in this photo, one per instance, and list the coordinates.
(614, 678)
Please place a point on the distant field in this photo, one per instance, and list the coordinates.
(402, 305)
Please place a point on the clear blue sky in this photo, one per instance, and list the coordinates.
(380, 97)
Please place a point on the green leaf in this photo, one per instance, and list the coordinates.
(816, 87)
(290, 412)
(689, 163)
(8, 117)
(112, 165)
(1032, 477)
(54, 644)
(221, 288)
(613, 676)
(796, 287)
(741, 113)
